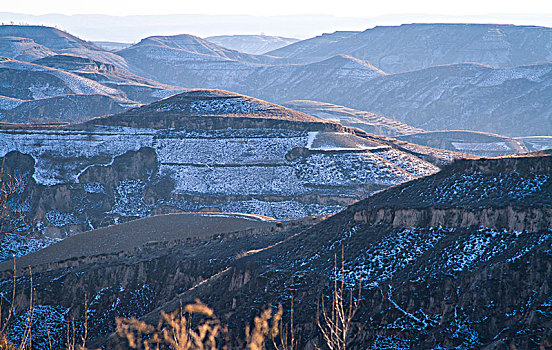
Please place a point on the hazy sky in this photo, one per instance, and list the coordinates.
(115, 20)
(356, 8)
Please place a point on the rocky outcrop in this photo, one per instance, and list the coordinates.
(508, 218)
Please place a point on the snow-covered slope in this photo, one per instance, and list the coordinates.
(23, 49)
(36, 94)
(369, 122)
(209, 150)
(69, 88)
(135, 87)
(32, 81)
(60, 42)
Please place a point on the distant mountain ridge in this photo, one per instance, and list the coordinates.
(416, 46)
(451, 96)
(252, 44)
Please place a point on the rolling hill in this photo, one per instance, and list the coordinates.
(32, 93)
(135, 87)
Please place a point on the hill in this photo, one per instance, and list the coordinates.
(369, 122)
(135, 87)
(111, 45)
(252, 75)
(456, 97)
(23, 49)
(158, 234)
(61, 109)
(202, 150)
(434, 256)
(251, 44)
(59, 42)
(154, 230)
(36, 94)
(157, 57)
(213, 109)
(409, 47)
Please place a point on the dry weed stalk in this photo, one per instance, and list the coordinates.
(263, 329)
(175, 330)
(26, 339)
(10, 220)
(286, 339)
(336, 323)
(71, 332)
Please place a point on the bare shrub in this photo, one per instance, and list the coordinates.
(336, 321)
(11, 219)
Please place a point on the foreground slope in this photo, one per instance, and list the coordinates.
(207, 150)
(459, 259)
(415, 46)
(94, 263)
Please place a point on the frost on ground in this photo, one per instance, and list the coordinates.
(15, 245)
(380, 262)
(475, 186)
(45, 320)
(233, 170)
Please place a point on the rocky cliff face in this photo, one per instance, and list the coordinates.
(510, 194)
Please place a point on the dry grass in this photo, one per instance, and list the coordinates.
(176, 331)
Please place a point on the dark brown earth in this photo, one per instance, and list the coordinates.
(147, 231)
